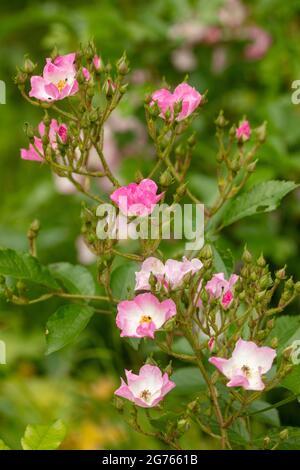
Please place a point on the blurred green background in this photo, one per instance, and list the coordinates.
(246, 54)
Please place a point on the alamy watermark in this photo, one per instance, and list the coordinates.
(165, 222)
(2, 92)
(2, 352)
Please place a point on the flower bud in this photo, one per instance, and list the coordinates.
(221, 121)
(28, 66)
(166, 179)
(280, 274)
(183, 425)
(251, 167)
(247, 257)
(261, 262)
(274, 343)
(261, 132)
(265, 281)
(122, 65)
(93, 115)
(266, 442)
(28, 129)
(206, 252)
(283, 435)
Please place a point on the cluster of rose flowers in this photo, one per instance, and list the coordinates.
(231, 24)
(145, 314)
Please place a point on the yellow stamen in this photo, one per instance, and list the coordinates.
(60, 85)
(145, 319)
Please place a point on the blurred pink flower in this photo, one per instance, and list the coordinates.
(183, 93)
(84, 254)
(58, 80)
(243, 132)
(137, 198)
(184, 59)
(57, 132)
(147, 388)
(246, 365)
(233, 13)
(260, 42)
(143, 315)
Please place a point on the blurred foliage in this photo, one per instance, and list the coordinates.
(77, 384)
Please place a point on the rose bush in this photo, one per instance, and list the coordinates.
(192, 314)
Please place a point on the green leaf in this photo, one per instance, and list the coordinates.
(264, 197)
(123, 280)
(270, 416)
(75, 279)
(65, 325)
(223, 261)
(164, 420)
(134, 342)
(24, 266)
(286, 330)
(3, 446)
(188, 380)
(292, 380)
(43, 437)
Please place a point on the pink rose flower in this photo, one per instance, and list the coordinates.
(175, 271)
(137, 199)
(219, 288)
(58, 80)
(150, 265)
(246, 365)
(143, 315)
(170, 274)
(184, 93)
(243, 132)
(147, 388)
(35, 151)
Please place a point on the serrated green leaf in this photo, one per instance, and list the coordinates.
(75, 279)
(3, 446)
(264, 197)
(26, 267)
(65, 325)
(43, 437)
(123, 281)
